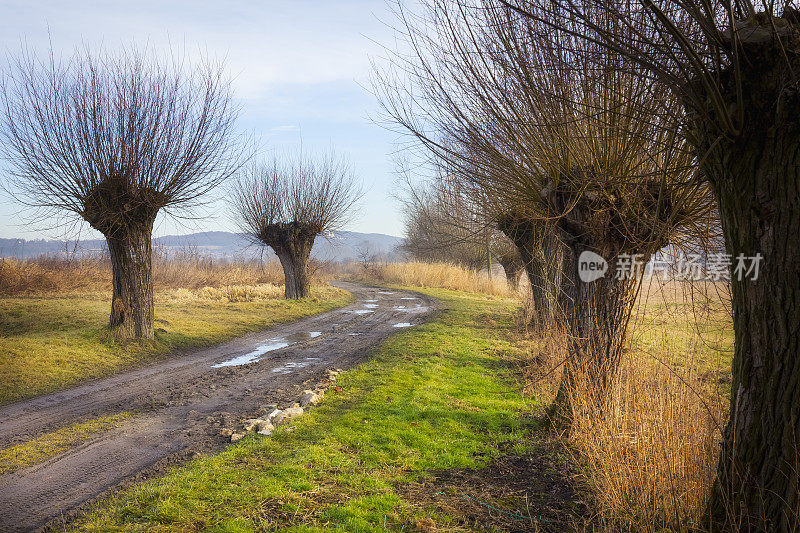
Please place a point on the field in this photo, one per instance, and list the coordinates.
(54, 317)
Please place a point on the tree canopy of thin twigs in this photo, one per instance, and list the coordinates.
(286, 203)
(572, 143)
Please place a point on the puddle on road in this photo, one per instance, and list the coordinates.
(302, 336)
(253, 356)
(371, 306)
(402, 325)
(415, 309)
(369, 301)
(385, 292)
(288, 368)
(362, 311)
(408, 298)
(269, 346)
(354, 334)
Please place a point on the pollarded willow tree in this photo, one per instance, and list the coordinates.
(285, 204)
(735, 68)
(446, 223)
(436, 230)
(114, 139)
(578, 143)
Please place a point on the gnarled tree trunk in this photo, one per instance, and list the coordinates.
(292, 243)
(541, 256)
(294, 260)
(132, 309)
(513, 268)
(756, 179)
(125, 216)
(597, 328)
(757, 182)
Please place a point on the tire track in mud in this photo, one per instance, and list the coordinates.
(182, 404)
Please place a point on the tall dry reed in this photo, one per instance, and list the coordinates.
(440, 275)
(650, 455)
(181, 271)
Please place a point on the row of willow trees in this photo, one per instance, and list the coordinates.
(623, 127)
(115, 139)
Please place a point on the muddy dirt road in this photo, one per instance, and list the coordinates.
(183, 403)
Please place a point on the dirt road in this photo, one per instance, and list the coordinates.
(182, 404)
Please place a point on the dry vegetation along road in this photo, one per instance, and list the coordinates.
(183, 403)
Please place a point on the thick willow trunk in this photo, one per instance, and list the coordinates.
(756, 179)
(513, 269)
(292, 243)
(132, 309)
(294, 260)
(541, 258)
(757, 183)
(597, 329)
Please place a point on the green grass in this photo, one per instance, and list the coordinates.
(49, 343)
(51, 444)
(437, 396)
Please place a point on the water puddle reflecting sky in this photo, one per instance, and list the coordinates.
(269, 346)
(288, 368)
(416, 309)
(253, 356)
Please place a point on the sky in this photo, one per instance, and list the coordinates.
(301, 74)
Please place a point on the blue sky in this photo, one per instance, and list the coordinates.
(301, 71)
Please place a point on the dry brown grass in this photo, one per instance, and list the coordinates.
(440, 276)
(236, 279)
(650, 456)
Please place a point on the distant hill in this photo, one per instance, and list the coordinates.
(338, 246)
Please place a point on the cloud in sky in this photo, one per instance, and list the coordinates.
(298, 67)
(265, 43)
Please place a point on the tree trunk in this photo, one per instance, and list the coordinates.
(132, 309)
(597, 329)
(513, 268)
(294, 260)
(539, 255)
(755, 176)
(757, 182)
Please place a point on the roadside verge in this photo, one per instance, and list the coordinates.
(438, 397)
